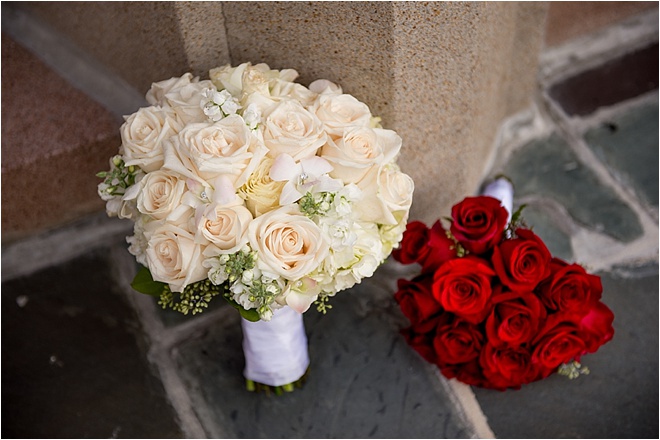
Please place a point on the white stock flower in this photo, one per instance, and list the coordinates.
(288, 243)
(360, 149)
(138, 243)
(252, 116)
(143, 134)
(173, 257)
(290, 129)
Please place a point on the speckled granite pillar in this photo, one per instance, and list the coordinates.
(443, 74)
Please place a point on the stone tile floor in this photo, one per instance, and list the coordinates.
(83, 356)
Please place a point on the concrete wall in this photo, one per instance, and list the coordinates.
(443, 74)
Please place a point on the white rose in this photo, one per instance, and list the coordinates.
(386, 192)
(391, 235)
(207, 151)
(160, 194)
(138, 243)
(142, 135)
(350, 265)
(173, 257)
(186, 100)
(224, 228)
(338, 112)
(156, 95)
(292, 90)
(261, 193)
(290, 129)
(358, 150)
(288, 243)
(325, 86)
(229, 78)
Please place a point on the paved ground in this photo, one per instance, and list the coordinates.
(83, 356)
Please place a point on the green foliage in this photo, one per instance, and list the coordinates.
(316, 204)
(251, 315)
(144, 283)
(322, 303)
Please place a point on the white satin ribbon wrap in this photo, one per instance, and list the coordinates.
(502, 190)
(276, 350)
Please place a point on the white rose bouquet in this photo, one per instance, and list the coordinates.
(256, 188)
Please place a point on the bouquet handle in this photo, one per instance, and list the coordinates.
(276, 352)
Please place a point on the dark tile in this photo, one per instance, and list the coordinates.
(72, 361)
(549, 168)
(618, 399)
(615, 81)
(364, 381)
(556, 240)
(628, 145)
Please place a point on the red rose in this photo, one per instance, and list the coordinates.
(420, 338)
(570, 288)
(456, 341)
(428, 247)
(416, 300)
(597, 327)
(413, 244)
(507, 367)
(560, 341)
(463, 286)
(478, 223)
(515, 318)
(523, 262)
(440, 248)
(469, 373)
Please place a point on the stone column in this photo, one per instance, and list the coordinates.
(442, 74)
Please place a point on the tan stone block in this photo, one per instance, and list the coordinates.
(54, 140)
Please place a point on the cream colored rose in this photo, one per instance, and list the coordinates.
(292, 90)
(224, 228)
(360, 149)
(158, 90)
(247, 78)
(290, 129)
(173, 256)
(395, 188)
(229, 78)
(187, 100)
(160, 194)
(288, 243)
(338, 112)
(325, 86)
(261, 193)
(207, 151)
(142, 136)
(386, 194)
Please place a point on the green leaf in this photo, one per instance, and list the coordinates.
(144, 283)
(251, 315)
(515, 218)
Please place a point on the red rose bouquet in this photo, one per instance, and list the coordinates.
(492, 307)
